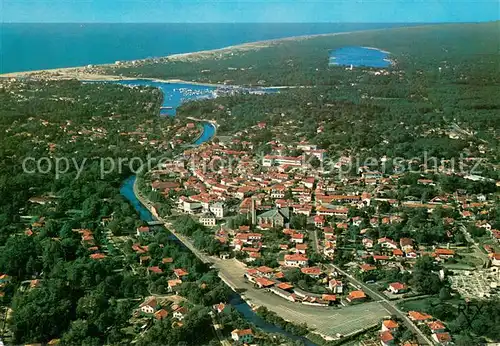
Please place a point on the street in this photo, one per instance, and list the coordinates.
(388, 306)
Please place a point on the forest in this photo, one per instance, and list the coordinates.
(439, 99)
(467, 53)
(56, 290)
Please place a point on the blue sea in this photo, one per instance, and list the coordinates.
(25, 47)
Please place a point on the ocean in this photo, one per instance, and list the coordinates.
(26, 47)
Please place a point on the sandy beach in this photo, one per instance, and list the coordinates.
(101, 72)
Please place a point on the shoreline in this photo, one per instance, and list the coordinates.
(83, 72)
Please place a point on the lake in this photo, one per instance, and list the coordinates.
(360, 56)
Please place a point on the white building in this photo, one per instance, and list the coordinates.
(295, 260)
(191, 207)
(208, 219)
(218, 209)
(335, 286)
(244, 336)
(149, 306)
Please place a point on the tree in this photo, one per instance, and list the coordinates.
(41, 314)
(17, 253)
(298, 221)
(444, 293)
(424, 279)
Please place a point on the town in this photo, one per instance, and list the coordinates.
(292, 224)
(281, 193)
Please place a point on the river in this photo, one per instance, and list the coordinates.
(182, 93)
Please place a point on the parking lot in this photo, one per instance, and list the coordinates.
(325, 320)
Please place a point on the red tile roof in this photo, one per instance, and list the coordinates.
(398, 286)
(386, 336)
(419, 316)
(295, 257)
(356, 295)
(390, 324)
(284, 286)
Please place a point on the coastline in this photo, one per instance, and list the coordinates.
(91, 72)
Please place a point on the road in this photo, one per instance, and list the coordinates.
(477, 247)
(388, 305)
(144, 201)
(315, 241)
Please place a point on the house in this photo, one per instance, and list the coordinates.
(356, 221)
(161, 314)
(155, 269)
(411, 254)
(248, 238)
(389, 325)
(367, 243)
(285, 286)
(442, 338)
(180, 313)
(444, 253)
(142, 231)
(355, 296)
(436, 327)
(330, 298)
(283, 293)
(140, 249)
(314, 272)
(380, 258)
(208, 219)
(244, 336)
(329, 249)
(495, 259)
(335, 286)
(367, 267)
(149, 306)
(98, 256)
(295, 260)
(301, 248)
(371, 175)
(219, 307)
(319, 221)
(387, 243)
(419, 316)
(397, 287)
(406, 244)
(276, 217)
(265, 271)
(180, 273)
(297, 238)
(190, 207)
(218, 209)
(386, 338)
(167, 260)
(173, 283)
(263, 282)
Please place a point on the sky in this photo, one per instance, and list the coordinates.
(248, 11)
